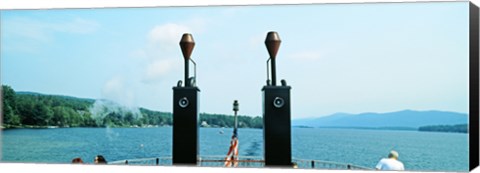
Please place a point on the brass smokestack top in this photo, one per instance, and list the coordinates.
(273, 43)
(186, 44)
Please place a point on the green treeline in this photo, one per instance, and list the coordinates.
(25, 109)
(219, 120)
(459, 128)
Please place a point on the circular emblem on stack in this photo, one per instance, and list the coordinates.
(278, 102)
(183, 102)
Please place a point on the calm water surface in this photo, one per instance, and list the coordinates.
(418, 150)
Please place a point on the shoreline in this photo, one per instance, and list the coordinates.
(57, 127)
(9, 127)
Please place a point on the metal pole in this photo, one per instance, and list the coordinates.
(274, 73)
(187, 82)
(235, 109)
(194, 72)
(268, 72)
(236, 124)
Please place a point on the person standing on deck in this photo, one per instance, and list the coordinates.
(232, 155)
(391, 163)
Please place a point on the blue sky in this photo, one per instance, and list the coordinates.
(337, 57)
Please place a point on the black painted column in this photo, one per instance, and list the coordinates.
(185, 112)
(474, 87)
(276, 114)
(276, 126)
(185, 125)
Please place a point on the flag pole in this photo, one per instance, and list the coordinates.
(235, 109)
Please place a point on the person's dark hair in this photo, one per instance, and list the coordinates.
(99, 159)
(77, 160)
(294, 165)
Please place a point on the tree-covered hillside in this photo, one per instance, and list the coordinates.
(27, 109)
(459, 128)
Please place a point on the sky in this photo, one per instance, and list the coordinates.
(349, 58)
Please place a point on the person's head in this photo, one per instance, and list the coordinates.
(234, 140)
(294, 165)
(393, 155)
(235, 133)
(77, 160)
(99, 159)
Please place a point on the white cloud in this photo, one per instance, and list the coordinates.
(78, 25)
(167, 37)
(258, 40)
(197, 24)
(158, 69)
(42, 31)
(25, 27)
(162, 53)
(116, 89)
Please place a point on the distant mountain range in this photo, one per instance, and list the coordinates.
(400, 119)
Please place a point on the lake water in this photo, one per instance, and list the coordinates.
(426, 151)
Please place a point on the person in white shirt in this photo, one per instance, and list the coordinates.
(391, 163)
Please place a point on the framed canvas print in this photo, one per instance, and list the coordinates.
(322, 86)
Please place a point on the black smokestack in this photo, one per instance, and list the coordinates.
(186, 44)
(273, 43)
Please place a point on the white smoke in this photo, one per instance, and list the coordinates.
(101, 108)
(117, 98)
